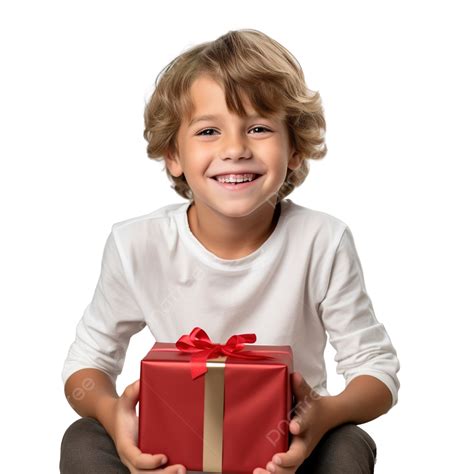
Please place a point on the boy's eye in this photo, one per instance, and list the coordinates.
(206, 130)
(263, 128)
(202, 132)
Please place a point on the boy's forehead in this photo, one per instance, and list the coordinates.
(207, 99)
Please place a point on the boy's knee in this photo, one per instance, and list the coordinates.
(344, 449)
(85, 447)
(355, 437)
(76, 439)
(81, 432)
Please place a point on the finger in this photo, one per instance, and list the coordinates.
(174, 469)
(274, 469)
(293, 457)
(300, 386)
(148, 461)
(298, 425)
(305, 395)
(143, 460)
(131, 394)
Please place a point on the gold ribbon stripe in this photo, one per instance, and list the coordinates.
(213, 415)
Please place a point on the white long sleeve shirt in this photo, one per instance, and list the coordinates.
(303, 284)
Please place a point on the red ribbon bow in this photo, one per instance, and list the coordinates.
(202, 348)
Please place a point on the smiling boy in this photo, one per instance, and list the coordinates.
(235, 125)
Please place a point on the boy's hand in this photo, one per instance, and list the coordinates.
(307, 427)
(126, 434)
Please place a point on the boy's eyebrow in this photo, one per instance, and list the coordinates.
(214, 117)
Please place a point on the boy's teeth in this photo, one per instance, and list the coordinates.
(235, 178)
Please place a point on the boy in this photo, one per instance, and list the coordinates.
(235, 124)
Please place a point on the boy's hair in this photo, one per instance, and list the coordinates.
(243, 62)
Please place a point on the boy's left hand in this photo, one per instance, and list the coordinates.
(306, 428)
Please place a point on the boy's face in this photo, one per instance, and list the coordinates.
(225, 144)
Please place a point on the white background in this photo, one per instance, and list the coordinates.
(396, 82)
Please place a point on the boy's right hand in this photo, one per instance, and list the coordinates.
(125, 435)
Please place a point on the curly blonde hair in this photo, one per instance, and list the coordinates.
(243, 62)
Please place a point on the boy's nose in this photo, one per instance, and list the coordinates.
(235, 146)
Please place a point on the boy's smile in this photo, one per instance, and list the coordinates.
(216, 148)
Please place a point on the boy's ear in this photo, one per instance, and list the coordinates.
(295, 160)
(173, 164)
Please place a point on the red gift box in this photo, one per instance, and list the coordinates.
(215, 408)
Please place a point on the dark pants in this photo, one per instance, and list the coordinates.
(86, 448)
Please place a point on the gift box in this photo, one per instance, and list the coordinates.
(215, 407)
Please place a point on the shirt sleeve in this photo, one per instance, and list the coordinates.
(362, 344)
(109, 320)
